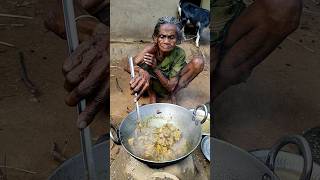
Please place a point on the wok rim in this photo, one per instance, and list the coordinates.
(69, 161)
(203, 133)
(250, 158)
(159, 162)
(289, 156)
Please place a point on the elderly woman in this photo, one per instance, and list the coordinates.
(162, 66)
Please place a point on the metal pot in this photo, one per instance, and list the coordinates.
(163, 113)
(73, 168)
(233, 163)
(205, 127)
(287, 165)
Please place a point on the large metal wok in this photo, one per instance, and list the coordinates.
(233, 163)
(161, 114)
(73, 168)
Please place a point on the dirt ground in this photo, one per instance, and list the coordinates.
(281, 96)
(28, 128)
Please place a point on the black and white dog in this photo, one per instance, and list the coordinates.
(198, 17)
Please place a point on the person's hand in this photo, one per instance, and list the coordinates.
(139, 84)
(86, 77)
(150, 60)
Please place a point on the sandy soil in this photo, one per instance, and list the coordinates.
(27, 127)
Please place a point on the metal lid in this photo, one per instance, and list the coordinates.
(205, 147)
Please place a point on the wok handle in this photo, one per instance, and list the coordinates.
(116, 141)
(304, 149)
(205, 109)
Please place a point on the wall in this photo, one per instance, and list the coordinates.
(135, 19)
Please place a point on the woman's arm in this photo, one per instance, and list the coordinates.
(169, 84)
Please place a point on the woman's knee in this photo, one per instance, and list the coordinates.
(284, 15)
(198, 64)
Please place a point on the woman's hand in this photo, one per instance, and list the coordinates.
(86, 73)
(150, 60)
(139, 84)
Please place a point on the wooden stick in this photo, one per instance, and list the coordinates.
(5, 170)
(25, 78)
(13, 25)
(18, 169)
(65, 146)
(7, 44)
(116, 67)
(24, 4)
(118, 85)
(202, 54)
(311, 12)
(15, 16)
(2, 175)
(17, 25)
(56, 154)
(305, 47)
(316, 2)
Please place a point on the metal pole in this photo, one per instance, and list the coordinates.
(132, 76)
(85, 136)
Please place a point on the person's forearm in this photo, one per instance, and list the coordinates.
(138, 58)
(103, 30)
(85, 23)
(169, 84)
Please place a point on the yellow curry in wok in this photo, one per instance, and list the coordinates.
(164, 143)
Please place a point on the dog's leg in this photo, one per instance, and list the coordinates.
(183, 35)
(179, 9)
(183, 24)
(198, 34)
(198, 39)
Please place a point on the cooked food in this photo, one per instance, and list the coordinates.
(158, 144)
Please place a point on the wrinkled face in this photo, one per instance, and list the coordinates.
(167, 37)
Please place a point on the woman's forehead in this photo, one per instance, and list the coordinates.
(167, 28)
